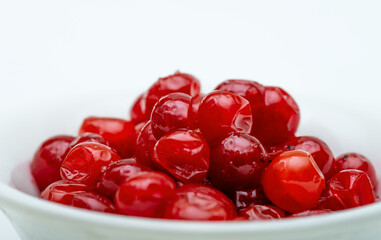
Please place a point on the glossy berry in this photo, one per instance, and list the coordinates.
(245, 198)
(328, 201)
(86, 162)
(352, 188)
(318, 149)
(357, 161)
(115, 174)
(199, 202)
(252, 92)
(138, 110)
(193, 112)
(281, 117)
(170, 113)
(146, 194)
(221, 113)
(178, 82)
(118, 132)
(184, 154)
(293, 181)
(77, 195)
(237, 162)
(311, 213)
(139, 127)
(262, 212)
(47, 160)
(88, 137)
(144, 147)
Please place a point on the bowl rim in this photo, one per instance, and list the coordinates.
(14, 199)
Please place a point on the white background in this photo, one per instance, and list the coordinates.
(69, 48)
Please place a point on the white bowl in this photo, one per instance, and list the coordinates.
(344, 127)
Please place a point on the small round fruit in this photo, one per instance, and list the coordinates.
(118, 132)
(77, 195)
(178, 82)
(88, 137)
(86, 162)
(352, 188)
(184, 154)
(115, 174)
(47, 160)
(281, 117)
(193, 112)
(293, 181)
(357, 161)
(252, 92)
(245, 198)
(144, 147)
(328, 201)
(318, 149)
(170, 113)
(202, 203)
(138, 109)
(146, 194)
(221, 113)
(262, 212)
(237, 162)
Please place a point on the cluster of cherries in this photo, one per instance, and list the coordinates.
(231, 154)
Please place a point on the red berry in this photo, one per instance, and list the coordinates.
(47, 160)
(262, 212)
(359, 162)
(237, 162)
(318, 149)
(178, 82)
(221, 113)
(118, 132)
(252, 92)
(139, 127)
(138, 110)
(328, 201)
(193, 111)
(311, 213)
(115, 174)
(184, 154)
(293, 181)
(281, 117)
(146, 194)
(77, 195)
(88, 137)
(352, 188)
(86, 162)
(144, 149)
(245, 198)
(199, 202)
(170, 113)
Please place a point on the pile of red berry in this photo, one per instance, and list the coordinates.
(231, 154)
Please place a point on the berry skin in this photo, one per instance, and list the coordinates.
(221, 113)
(262, 212)
(88, 137)
(237, 162)
(329, 202)
(252, 92)
(281, 117)
(115, 174)
(293, 181)
(47, 160)
(146, 194)
(357, 161)
(138, 110)
(245, 198)
(318, 149)
(145, 143)
(86, 162)
(170, 113)
(193, 112)
(119, 133)
(184, 154)
(352, 188)
(77, 195)
(178, 82)
(202, 203)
